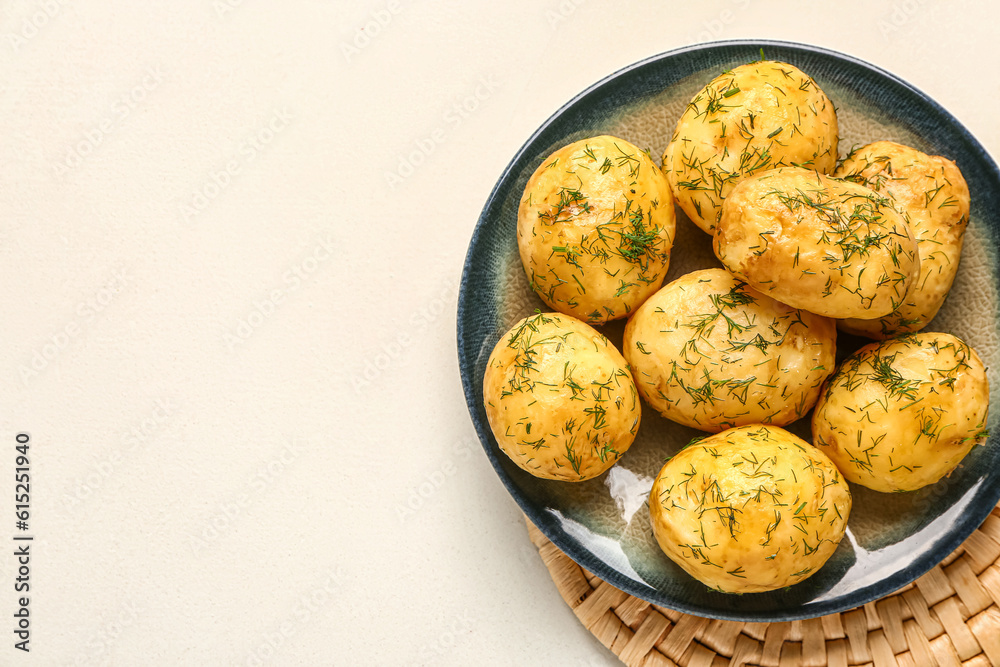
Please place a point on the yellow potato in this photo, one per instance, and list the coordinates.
(559, 398)
(750, 509)
(710, 352)
(754, 117)
(900, 414)
(595, 228)
(828, 246)
(932, 193)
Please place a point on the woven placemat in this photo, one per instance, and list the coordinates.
(949, 616)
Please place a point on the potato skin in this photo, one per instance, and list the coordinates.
(828, 246)
(900, 414)
(750, 509)
(932, 193)
(710, 352)
(754, 117)
(559, 398)
(595, 228)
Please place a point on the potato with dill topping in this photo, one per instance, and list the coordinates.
(822, 244)
(750, 509)
(754, 117)
(932, 193)
(595, 228)
(710, 352)
(559, 398)
(900, 414)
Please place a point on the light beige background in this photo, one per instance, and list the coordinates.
(231, 334)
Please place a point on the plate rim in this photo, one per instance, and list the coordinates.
(965, 524)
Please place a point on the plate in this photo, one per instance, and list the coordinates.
(603, 524)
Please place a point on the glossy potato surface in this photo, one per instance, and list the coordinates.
(750, 509)
(932, 193)
(822, 244)
(754, 117)
(901, 414)
(710, 352)
(594, 229)
(559, 398)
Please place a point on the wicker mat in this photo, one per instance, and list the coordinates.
(950, 616)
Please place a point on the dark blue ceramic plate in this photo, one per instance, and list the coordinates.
(603, 524)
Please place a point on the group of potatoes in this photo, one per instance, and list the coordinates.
(870, 246)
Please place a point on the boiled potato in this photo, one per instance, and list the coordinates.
(709, 351)
(750, 509)
(932, 193)
(818, 243)
(595, 228)
(900, 414)
(559, 398)
(751, 118)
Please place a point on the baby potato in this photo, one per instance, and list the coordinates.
(900, 414)
(754, 117)
(932, 193)
(710, 352)
(818, 243)
(595, 229)
(559, 398)
(750, 509)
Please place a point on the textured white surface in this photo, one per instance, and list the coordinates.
(241, 394)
